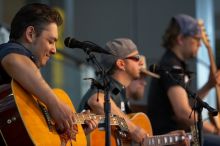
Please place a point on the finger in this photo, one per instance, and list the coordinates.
(142, 141)
(92, 124)
(89, 124)
(60, 128)
(88, 111)
(66, 125)
(75, 129)
(72, 120)
(96, 122)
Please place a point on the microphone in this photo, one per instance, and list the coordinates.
(86, 46)
(158, 69)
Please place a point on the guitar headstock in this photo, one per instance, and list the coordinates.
(204, 35)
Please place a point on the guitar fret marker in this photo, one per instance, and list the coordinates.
(158, 141)
(165, 140)
(153, 141)
(171, 139)
(149, 142)
(176, 138)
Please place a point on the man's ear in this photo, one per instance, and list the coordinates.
(29, 33)
(120, 63)
(179, 39)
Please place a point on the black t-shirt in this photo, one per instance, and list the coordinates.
(159, 109)
(12, 47)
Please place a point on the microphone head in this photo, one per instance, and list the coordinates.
(67, 41)
(73, 43)
(87, 46)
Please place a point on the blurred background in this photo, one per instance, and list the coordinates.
(144, 21)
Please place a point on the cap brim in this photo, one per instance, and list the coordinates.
(148, 73)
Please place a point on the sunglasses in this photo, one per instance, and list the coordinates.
(135, 57)
(198, 39)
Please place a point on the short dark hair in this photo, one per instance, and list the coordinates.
(170, 35)
(36, 15)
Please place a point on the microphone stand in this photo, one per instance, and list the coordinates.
(106, 88)
(198, 106)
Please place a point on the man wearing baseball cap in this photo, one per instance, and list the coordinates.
(122, 67)
(168, 102)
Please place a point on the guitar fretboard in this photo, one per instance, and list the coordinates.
(81, 117)
(166, 139)
(114, 120)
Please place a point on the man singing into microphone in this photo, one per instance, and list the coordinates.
(168, 102)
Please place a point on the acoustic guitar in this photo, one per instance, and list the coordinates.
(97, 138)
(24, 120)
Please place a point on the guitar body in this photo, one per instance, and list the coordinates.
(10, 120)
(30, 124)
(97, 138)
(141, 120)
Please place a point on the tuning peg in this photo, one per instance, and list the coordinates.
(200, 22)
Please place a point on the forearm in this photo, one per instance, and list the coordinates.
(185, 119)
(25, 72)
(181, 107)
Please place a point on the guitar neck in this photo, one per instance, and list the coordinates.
(206, 42)
(213, 70)
(166, 139)
(81, 117)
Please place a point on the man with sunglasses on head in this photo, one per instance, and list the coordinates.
(123, 67)
(168, 103)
